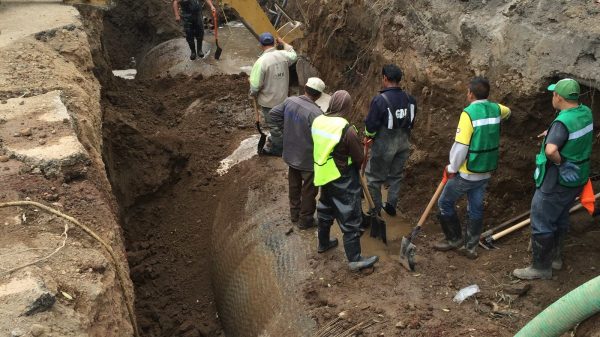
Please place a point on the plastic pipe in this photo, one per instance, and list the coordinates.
(562, 315)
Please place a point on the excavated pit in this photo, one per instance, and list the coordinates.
(212, 255)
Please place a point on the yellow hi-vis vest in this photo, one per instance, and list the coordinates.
(326, 134)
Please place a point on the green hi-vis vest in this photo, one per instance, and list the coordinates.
(326, 134)
(483, 149)
(578, 148)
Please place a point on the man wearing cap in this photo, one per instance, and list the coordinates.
(473, 158)
(337, 156)
(389, 122)
(191, 12)
(562, 168)
(294, 117)
(269, 83)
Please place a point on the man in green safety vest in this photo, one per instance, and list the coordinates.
(473, 157)
(562, 169)
(337, 156)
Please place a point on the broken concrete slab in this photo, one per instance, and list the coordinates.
(43, 117)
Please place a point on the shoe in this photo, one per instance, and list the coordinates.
(452, 233)
(389, 209)
(472, 234)
(531, 273)
(363, 262)
(193, 56)
(445, 245)
(356, 262)
(542, 254)
(470, 254)
(325, 242)
(331, 244)
(306, 224)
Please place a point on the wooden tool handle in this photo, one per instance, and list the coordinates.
(366, 192)
(527, 221)
(216, 23)
(434, 198)
(256, 110)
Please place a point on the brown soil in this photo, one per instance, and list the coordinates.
(161, 158)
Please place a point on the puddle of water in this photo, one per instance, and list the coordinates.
(245, 151)
(128, 74)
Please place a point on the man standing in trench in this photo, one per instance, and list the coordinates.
(337, 156)
(562, 168)
(269, 84)
(473, 157)
(389, 122)
(294, 117)
(191, 12)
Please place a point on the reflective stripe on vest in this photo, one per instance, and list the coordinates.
(578, 148)
(326, 134)
(485, 140)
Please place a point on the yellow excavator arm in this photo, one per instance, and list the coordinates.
(249, 11)
(257, 22)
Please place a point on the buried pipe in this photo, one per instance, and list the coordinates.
(562, 315)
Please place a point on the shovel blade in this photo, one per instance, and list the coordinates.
(407, 254)
(378, 228)
(218, 52)
(263, 139)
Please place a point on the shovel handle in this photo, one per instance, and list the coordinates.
(256, 110)
(363, 182)
(434, 198)
(216, 23)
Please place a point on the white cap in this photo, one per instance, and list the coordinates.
(316, 83)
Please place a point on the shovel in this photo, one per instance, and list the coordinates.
(263, 136)
(378, 226)
(407, 248)
(219, 50)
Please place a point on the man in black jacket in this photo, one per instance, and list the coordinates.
(388, 124)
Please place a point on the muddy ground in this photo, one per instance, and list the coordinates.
(164, 138)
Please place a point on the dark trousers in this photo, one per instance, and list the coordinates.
(550, 211)
(302, 192)
(340, 200)
(194, 29)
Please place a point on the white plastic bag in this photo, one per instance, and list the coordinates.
(465, 293)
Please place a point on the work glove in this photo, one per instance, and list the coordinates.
(368, 141)
(569, 172)
(447, 175)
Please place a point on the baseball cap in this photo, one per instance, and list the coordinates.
(316, 83)
(266, 39)
(566, 88)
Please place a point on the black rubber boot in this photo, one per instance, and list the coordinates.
(325, 242)
(389, 209)
(541, 267)
(452, 232)
(356, 262)
(472, 235)
(199, 48)
(559, 245)
(192, 45)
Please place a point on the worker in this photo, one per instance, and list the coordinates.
(388, 125)
(269, 84)
(562, 168)
(337, 156)
(294, 117)
(473, 157)
(191, 12)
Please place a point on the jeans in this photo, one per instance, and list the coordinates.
(456, 188)
(302, 194)
(275, 140)
(550, 211)
(388, 154)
